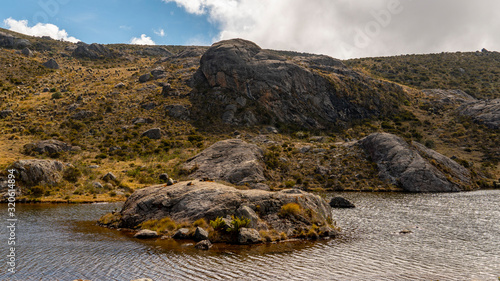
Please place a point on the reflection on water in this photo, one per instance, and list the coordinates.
(453, 237)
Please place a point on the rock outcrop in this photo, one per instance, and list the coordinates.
(38, 172)
(10, 41)
(414, 167)
(248, 85)
(92, 51)
(233, 160)
(484, 112)
(190, 201)
(49, 147)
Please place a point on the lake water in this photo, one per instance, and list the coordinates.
(453, 237)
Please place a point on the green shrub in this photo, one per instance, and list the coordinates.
(57, 95)
(238, 223)
(71, 174)
(218, 224)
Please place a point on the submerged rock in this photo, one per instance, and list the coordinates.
(339, 202)
(414, 167)
(233, 160)
(203, 245)
(146, 234)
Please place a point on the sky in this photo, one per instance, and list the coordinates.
(339, 28)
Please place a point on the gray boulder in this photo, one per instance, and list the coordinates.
(200, 234)
(178, 111)
(10, 41)
(203, 245)
(27, 52)
(249, 213)
(49, 147)
(279, 90)
(189, 202)
(52, 64)
(182, 233)
(410, 166)
(158, 73)
(146, 234)
(38, 172)
(484, 112)
(233, 160)
(109, 177)
(145, 78)
(154, 134)
(248, 236)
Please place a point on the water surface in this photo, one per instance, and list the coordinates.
(453, 237)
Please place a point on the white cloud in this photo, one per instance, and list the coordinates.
(160, 32)
(40, 29)
(143, 40)
(345, 29)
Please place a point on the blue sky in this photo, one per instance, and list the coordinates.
(339, 28)
(113, 21)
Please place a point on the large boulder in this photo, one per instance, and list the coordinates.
(414, 167)
(485, 112)
(52, 64)
(248, 85)
(49, 147)
(233, 160)
(190, 201)
(10, 41)
(38, 172)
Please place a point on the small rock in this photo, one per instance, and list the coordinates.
(27, 52)
(97, 184)
(149, 105)
(145, 234)
(305, 149)
(114, 148)
(164, 177)
(203, 245)
(52, 64)
(200, 234)
(154, 133)
(158, 73)
(248, 236)
(120, 85)
(93, 166)
(182, 233)
(45, 90)
(249, 213)
(170, 181)
(339, 202)
(145, 78)
(109, 177)
(405, 231)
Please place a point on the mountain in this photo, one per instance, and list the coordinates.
(139, 112)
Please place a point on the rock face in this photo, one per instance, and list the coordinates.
(209, 200)
(248, 86)
(156, 51)
(92, 51)
(448, 96)
(49, 147)
(414, 167)
(233, 160)
(39, 172)
(485, 112)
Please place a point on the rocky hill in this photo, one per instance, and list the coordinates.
(122, 117)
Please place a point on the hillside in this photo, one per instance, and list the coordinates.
(104, 98)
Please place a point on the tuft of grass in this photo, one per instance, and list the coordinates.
(290, 209)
